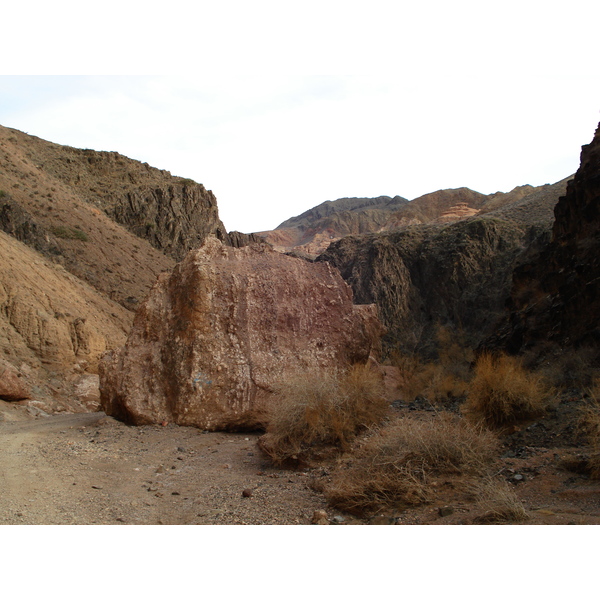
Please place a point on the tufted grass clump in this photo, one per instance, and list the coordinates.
(499, 503)
(325, 409)
(395, 466)
(503, 393)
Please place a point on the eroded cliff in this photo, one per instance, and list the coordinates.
(555, 295)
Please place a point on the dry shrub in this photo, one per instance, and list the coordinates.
(502, 393)
(393, 466)
(589, 425)
(431, 380)
(322, 409)
(499, 501)
(436, 380)
(444, 385)
(412, 376)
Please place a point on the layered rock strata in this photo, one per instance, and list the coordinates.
(53, 328)
(216, 335)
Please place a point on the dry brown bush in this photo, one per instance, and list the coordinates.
(589, 425)
(393, 466)
(502, 393)
(431, 380)
(499, 501)
(322, 409)
(412, 379)
(436, 380)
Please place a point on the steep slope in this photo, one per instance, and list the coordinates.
(174, 214)
(53, 327)
(426, 276)
(555, 296)
(110, 220)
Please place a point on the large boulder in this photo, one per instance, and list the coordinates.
(215, 336)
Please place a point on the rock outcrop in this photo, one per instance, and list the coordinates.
(424, 277)
(53, 327)
(555, 295)
(213, 337)
(12, 384)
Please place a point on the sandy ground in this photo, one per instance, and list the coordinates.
(88, 468)
(91, 469)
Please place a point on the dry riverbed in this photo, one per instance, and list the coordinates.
(92, 469)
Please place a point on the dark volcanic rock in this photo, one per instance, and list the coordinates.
(556, 295)
(174, 219)
(20, 224)
(427, 276)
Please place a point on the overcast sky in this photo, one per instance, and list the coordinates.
(279, 106)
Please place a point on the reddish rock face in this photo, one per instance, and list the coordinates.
(12, 385)
(215, 335)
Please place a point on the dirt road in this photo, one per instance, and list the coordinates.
(91, 469)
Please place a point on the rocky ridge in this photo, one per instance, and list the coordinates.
(313, 231)
(110, 220)
(555, 294)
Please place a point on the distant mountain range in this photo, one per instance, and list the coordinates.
(313, 231)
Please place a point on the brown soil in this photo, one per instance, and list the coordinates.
(92, 469)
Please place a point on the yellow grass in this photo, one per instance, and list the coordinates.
(503, 393)
(323, 409)
(393, 466)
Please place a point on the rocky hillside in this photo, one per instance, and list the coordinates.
(454, 275)
(313, 231)
(555, 295)
(53, 328)
(110, 220)
(104, 227)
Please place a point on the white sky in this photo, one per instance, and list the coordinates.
(279, 106)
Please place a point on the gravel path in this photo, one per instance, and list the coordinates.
(91, 469)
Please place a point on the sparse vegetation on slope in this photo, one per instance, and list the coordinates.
(69, 233)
